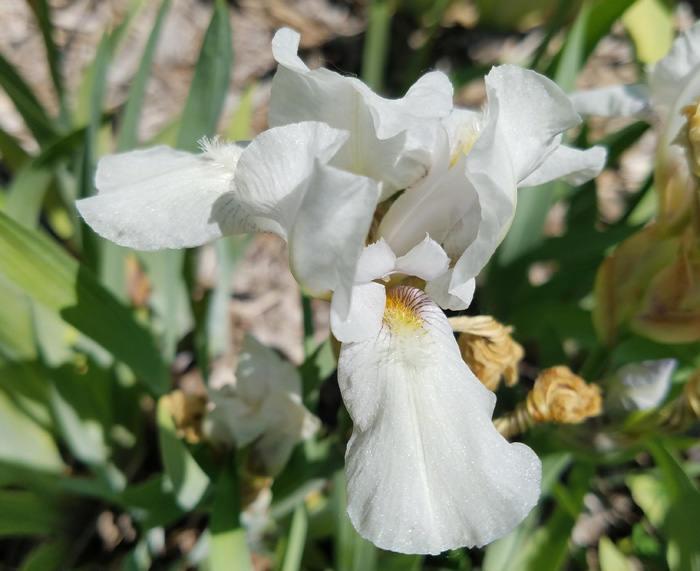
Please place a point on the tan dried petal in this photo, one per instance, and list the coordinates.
(137, 283)
(691, 392)
(684, 409)
(670, 311)
(252, 486)
(561, 396)
(692, 137)
(187, 411)
(488, 349)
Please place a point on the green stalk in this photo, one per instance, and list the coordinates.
(376, 42)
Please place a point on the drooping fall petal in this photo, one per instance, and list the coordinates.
(426, 470)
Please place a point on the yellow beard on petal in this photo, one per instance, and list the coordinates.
(402, 312)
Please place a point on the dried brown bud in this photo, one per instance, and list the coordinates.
(692, 137)
(670, 311)
(691, 392)
(684, 409)
(137, 283)
(561, 396)
(488, 349)
(252, 487)
(187, 411)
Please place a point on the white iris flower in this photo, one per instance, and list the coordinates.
(426, 469)
(641, 386)
(260, 405)
(669, 102)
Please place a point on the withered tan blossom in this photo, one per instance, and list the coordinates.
(558, 396)
(488, 349)
(561, 396)
(684, 409)
(187, 411)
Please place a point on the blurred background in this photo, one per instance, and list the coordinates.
(107, 355)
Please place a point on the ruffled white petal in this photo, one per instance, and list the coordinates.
(376, 261)
(259, 405)
(433, 205)
(642, 386)
(289, 423)
(532, 112)
(329, 232)
(669, 75)
(438, 290)
(285, 45)
(161, 198)
(523, 128)
(364, 319)
(572, 165)
(426, 470)
(273, 173)
(323, 212)
(379, 146)
(114, 172)
(613, 101)
(427, 260)
(428, 98)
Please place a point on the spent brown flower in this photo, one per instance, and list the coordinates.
(488, 349)
(558, 396)
(684, 410)
(561, 396)
(187, 411)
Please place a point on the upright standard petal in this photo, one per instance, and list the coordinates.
(426, 470)
(532, 113)
(323, 212)
(613, 101)
(329, 232)
(522, 130)
(379, 146)
(273, 173)
(433, 205)
(571, 165)
(161, 198)
(679, 69)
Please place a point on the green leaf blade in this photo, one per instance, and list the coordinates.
(210, 82)
(50, 276)
(132, 110)
(26, 103)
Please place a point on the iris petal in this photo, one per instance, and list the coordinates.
(426, 470)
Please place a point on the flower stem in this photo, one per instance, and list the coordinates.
(309, 345)
(376, 42)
